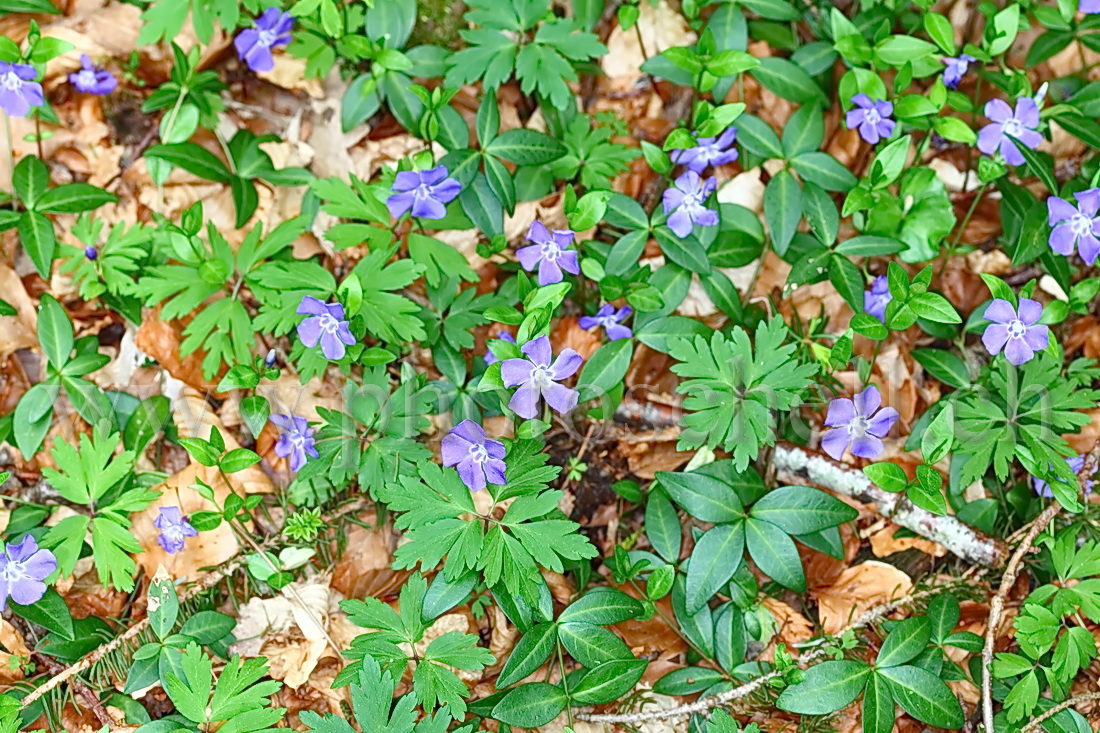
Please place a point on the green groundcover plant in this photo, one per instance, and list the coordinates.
(455, 397)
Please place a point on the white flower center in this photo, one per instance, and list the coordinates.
(858, 427)
(540, 377)
(14, 571)
(266, 38)
(328, 323)
(1013, 127)
(86, 77)
(872, 116)
(1080, 224)
(1016, 329)
(10, 81)
(550, 251)
(478, 453)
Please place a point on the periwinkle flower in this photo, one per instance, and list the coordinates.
(478, 459)
(174, 529)
(91, 253)
(858, 423)
(1076, 226)
(538, 376)
(425, 193)
(877, 297)
(1042, 488)
(1089, 7)
(326, 325)
(871, 117)
(710, 151)
(490, 357)
(18, 89)
(270, 358)
(611, 320)
(92, 79)
(1018, 333)
(1020, 124)
(956, 69)
(254, 45)
(296, 441)
(685, 203)
(23, 568)
(550, 253)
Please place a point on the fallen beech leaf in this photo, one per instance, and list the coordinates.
(857, 589)
(884, 542)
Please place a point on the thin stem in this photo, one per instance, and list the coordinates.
(565, 686)
(11, 153)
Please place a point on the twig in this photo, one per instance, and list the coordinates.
(82, 689)
(996, 607)
(701, 706)
(797, 465)
(204, 584)
(1034, 724)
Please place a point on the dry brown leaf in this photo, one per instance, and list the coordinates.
(660, 27)
(884, 542)
(364, 569)
(18, 331)
(856, 590)
(161, 341)
(792, 627)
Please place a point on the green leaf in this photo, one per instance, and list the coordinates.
(788, 80)
(775, 553)
(532, 650)
(714, 560)
(939, 436)
(55, 331)
(37, 236)
(848, 281)
(592, 645)
(73, 198)
(802, 510)
(30, 179)
(805, 131)
(878, 706)
(824, 170)
(525, 147)
(758, 137)
(924, 696)
(908, 639)
(934, 307)
(887, 476)
(49, 612)
(531, 705)
(702, 496)
(782, 210)
(825, 688)
(662, 526)
(603, 606)
(944, 366)
(193, 158)
(609, 681)
(164, 606)
(237, 460)
(605, 369)
(483, 207)
(927, 491)
(687, 681)
(359, 104)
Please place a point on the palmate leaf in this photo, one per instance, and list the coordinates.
(372, 702)
(732, 393)
(389, 316)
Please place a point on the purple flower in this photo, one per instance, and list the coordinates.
(1076, 225)
(490, 357)
(91, 253)
(1089, 7)
(174, 528)
(1021, 124)
(877, 298)
(296, 442)
(91, 79)
(478, 458)
(425, 192)
(710, 151)
(18, 90)
(325, 324)
(1042, 488)
(270, 358)
(611, 320)
(956, 69)
(254, 44)
(550, 252)
(1018, 335)
(686, 200)
(22, 569)
(537, 377)
(859, 423)
(872, 117)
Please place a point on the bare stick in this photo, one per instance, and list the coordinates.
(1034, 724)
(797, 465)
(701, 706)
(996, 608)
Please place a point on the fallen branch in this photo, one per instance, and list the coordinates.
(797, 465)
(701, 706)
(1037, 722)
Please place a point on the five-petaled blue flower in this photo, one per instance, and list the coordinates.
(477, 458)
(174, 529)
(858, 423)
(710, 151)
(871, 117)
(1089, 7)
(490, 357)
(91, 79)
(425, 193)
(611, 320)
(956, 69)
(1076, 226)
(1018, 333)
(296, 442)
(550, 253)
(1021, 124)
(1042, 488)
(685, 203)
(537, 377)
(23, 567)
(877, 297)
(254, 44)
(326, 325)
(18, 89)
